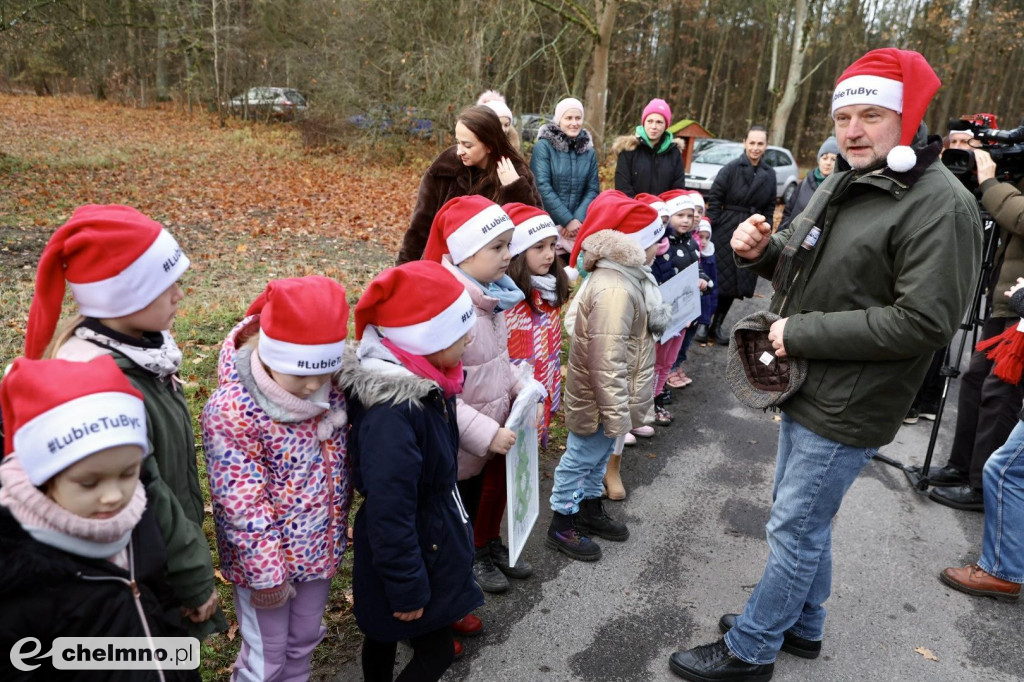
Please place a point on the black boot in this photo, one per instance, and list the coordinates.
(594, 520)
(717, 336)
(565, 535)
(701, 334)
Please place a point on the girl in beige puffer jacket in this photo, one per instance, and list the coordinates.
(609, 382)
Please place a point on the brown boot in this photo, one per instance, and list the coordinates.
(974, 580)
(612, 479)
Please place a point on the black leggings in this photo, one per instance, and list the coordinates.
(432, 654)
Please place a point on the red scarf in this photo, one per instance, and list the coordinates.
(450, 380)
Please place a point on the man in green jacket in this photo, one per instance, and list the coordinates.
(870, 279)
(987, 406)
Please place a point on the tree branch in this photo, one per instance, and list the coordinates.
(581, 18)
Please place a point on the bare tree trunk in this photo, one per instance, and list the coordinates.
(777, 134)
(597, 87)
(216, 63)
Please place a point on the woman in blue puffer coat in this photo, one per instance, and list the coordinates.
(564, 166)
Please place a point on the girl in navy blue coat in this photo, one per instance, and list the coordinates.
(681, 253)
(412, 575)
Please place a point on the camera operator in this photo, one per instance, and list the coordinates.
(987, 407)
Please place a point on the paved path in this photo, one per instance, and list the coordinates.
(699, 495)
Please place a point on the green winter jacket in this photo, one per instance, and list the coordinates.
(174, 492)
(886, 284)
(1006, 204)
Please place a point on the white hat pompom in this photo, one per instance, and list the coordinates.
(901, 158)
(571, 274)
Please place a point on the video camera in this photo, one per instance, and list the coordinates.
(1005, 146)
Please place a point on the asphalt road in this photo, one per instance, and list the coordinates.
(699, 494)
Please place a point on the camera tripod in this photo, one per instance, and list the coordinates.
(971, 325)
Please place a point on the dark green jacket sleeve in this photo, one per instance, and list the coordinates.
(189, 564)
(942, 253)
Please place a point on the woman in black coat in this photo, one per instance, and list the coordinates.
(827, 154)
(649, 161)
(743, 187)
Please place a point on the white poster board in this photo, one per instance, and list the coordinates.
(682, 292)
(522, 479)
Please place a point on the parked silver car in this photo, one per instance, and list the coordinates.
(267, 102)
(710, 159)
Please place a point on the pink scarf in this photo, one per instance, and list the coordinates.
(51, 524)
(450, 380)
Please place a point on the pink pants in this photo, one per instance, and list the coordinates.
(278, 644)
(664, 356)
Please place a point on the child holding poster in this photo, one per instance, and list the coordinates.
(680, 254)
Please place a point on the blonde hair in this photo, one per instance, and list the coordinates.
(63, 334)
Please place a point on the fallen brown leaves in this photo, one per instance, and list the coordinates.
(59, 152)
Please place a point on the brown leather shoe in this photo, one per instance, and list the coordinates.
(973, 580)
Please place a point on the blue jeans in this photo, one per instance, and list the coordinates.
(1002, 552)
(581, 470)
(812, 474)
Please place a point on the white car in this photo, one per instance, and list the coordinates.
(710, 160)
(285, 104)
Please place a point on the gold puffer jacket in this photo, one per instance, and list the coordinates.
(610, 375)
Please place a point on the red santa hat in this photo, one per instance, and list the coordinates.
(303, 324)
(531, 226)
(116, 261)
(419, 306)
(613, 210)
(58, 412)
(900, 80)
(463, 226)
(677, 200)
(698, 199)
(655, 202)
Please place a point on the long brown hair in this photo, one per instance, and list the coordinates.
(486, 126)
(520, 274)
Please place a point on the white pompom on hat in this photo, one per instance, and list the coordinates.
(58, 412)
(303, 324)
(900, 80)
(115, 260)
(419, 306)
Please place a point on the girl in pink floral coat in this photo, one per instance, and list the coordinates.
(274, 436)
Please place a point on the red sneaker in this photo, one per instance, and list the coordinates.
(458, 648)
(468, 626)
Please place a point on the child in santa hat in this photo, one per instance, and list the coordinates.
(683, 253)
(123, 269)
(609, 383)
(82, 554)
(274, 440)
(535, 324)
(470, 237)
(412, 573)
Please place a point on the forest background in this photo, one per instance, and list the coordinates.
(724, 63)
(140, 120)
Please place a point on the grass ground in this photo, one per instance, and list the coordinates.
(246, 203)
